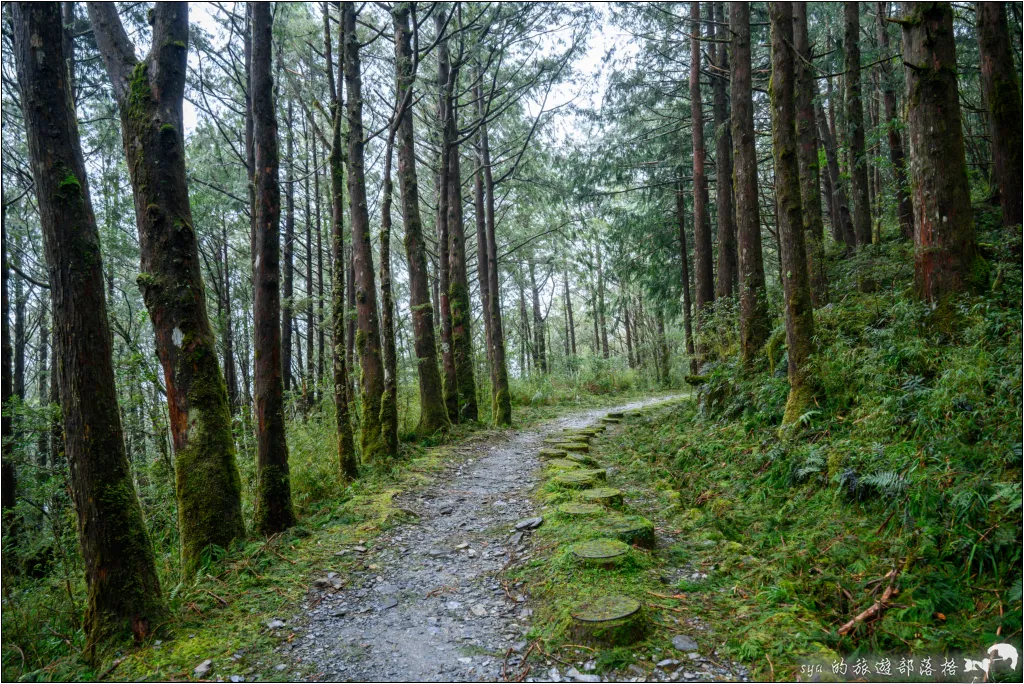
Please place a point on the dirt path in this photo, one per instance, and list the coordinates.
(431, 608)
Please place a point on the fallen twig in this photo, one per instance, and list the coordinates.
(877, 607)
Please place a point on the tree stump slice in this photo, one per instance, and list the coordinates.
(596, 473)
(614, 414)
(573, 446)
(611, 421)
(601, 552)
(548, 454)
(563, 464)
(561, 439)
(575, 479)
(607, 496)
(614, 620)
(575, 509)
(630, 529)
(582, 459)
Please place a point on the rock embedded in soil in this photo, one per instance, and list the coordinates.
(684, 643)
(530, 523)
(203, 669)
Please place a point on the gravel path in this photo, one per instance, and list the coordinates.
(431, 607)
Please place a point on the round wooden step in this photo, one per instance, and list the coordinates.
(601, 551)
(559, 439)
(573, 446)
(615, 620)
(614, 414)
(611, 421)
(575, 479)
(574, 509)
(582, 459)
(548, 454)
(596, 473)
(608, 496)
(563, 464)
(631, 529)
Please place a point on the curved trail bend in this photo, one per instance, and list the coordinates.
(433, 608)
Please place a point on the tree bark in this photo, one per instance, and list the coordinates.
(727, 257)
(309, 379)
(501, 405)
(368, 335)
(150, 95)
(842, 227)
(1002, 93)
(897, 156)
(8, 477)
(946, 260)
(288, 283)
(124, 595)
(389, 402)
(704, 279)
(685, 257)
(19, 337)
(348, 461)
(807, 159)
(230, 375)
(274, 511)
(540, 349)
(482, 271)
(42, 380)
(753, 298)
(799, 312)
(433, 414)
(570, 324)
(855, 127)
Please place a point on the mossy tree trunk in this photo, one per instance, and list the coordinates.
(842, 224)
(348, 461)
(753, 300)
(897, 155)
(462, 314)
(946, 259)
(274, 511)
(8, 477)
(501, 404)
(288, 249)
(727, 277)
(371, 385)
(807, 158)
(797, 292)
(685, 262)
(703, 264)
(150, 94)
(124, 596)
(483, 277)
(1002, 92)
(539, 348)
(389, 402)
(855, 127)
(433, 414)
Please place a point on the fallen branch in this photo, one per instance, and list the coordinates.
(877, 608)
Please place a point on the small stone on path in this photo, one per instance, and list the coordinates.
(203, 669)
(530, 523)
(684, 643)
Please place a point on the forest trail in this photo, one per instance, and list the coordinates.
(430, 606)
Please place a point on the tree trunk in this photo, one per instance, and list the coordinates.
(663, 363)
(308, 380)
(855, 127)
(451, 382)
(600, 303)
(458, 286)
(685, 257)
(8, 476)
(538, 323)
(501, 409)
(799, 312)
(348, 461)
(42, 380)
(704, 279)
(1002, 93)
(150, 95)
(19, 338)
(946, 259)
(570, 324)
(727, 256)
(273, 497)
(842, 228)
(368, 335)
(753, 298)
(629, 333)
(389, 402)
(230, 375)
(482, 266)
(897, 157)
(807, 159)
(288, 284)
(433, 414)
(124, 595)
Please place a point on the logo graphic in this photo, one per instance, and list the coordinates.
(1001, 652)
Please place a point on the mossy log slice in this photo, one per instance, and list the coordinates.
(589, 433)
(601, 551)
(582, 459)
(575, 509)
(575, 479)
(573, 446)
(548, 454)
(630, 529)
(611, 421)
(609, 496)
(565, 438)
(563, 464)
(614, 414)
(615, 620)
(596, 473)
